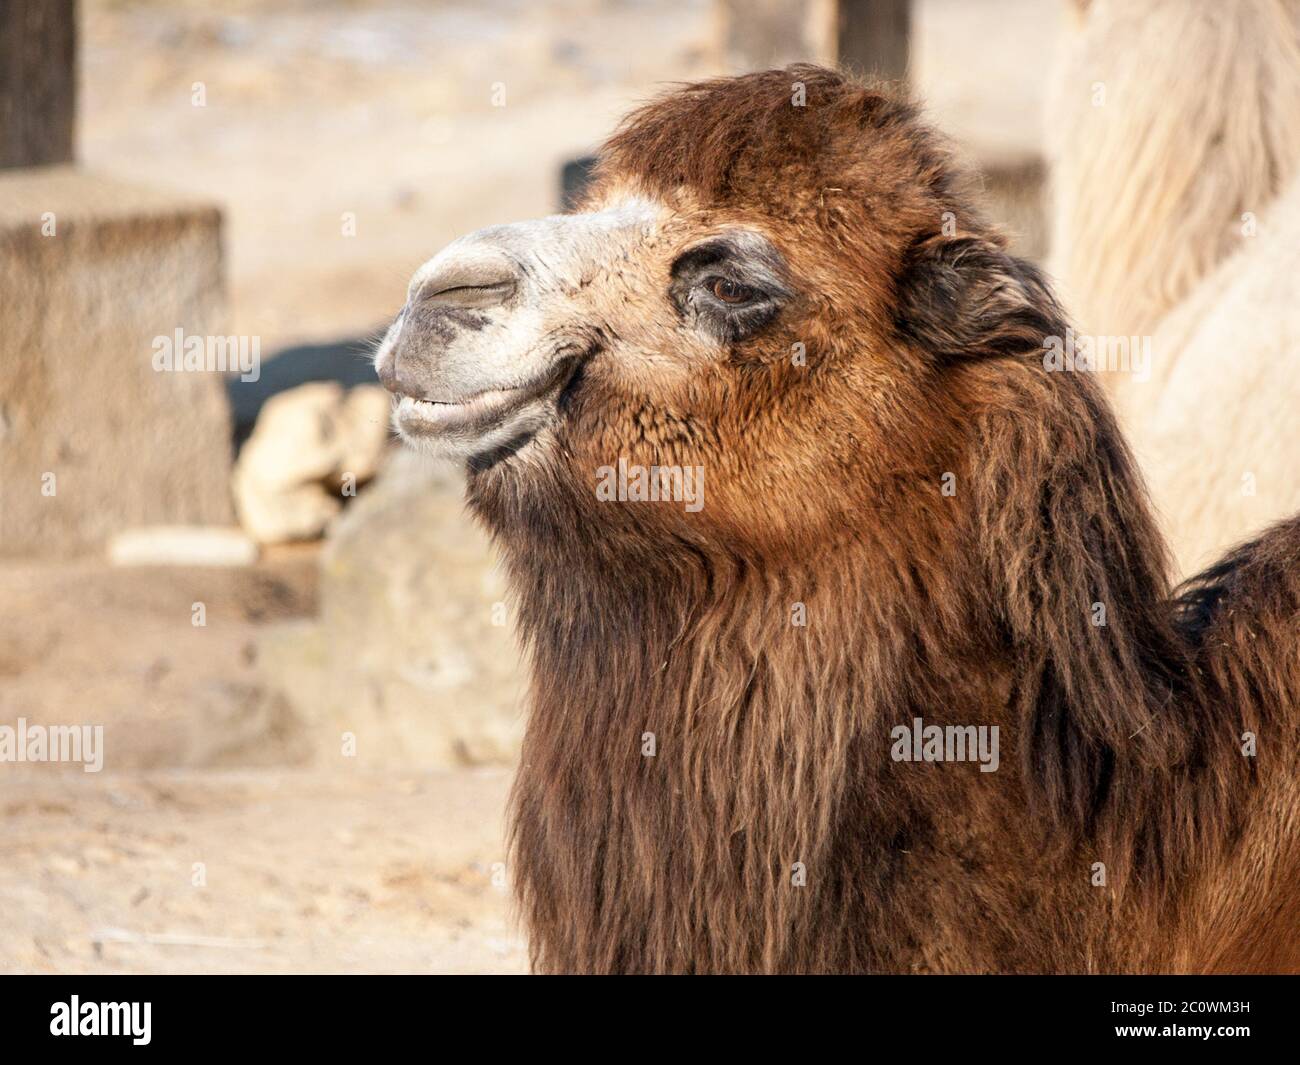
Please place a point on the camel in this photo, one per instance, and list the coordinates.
(779, 287)
(1174, 139)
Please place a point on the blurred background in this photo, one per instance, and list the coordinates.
(295, 639)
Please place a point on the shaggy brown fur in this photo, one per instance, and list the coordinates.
(1120, 743)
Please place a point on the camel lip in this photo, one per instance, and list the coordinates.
(462, 401)
(418, 416)
(480, 412)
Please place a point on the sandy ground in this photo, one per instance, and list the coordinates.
(324, 868)
(254, 871)
(83, 641)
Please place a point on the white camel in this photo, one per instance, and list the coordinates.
(1174, 134)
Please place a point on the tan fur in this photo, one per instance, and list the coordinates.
(1167, 121)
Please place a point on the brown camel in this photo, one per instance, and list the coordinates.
(784, 482)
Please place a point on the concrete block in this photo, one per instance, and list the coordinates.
(94, 439)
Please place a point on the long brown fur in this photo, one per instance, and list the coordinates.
(1121, 743)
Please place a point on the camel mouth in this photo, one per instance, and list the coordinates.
(418, 416)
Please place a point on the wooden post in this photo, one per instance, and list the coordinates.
(38, 81)
(872, 37)
(861, 36)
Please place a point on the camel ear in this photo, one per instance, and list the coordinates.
(963, 297)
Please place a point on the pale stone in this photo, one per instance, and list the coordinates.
(182, 545)
(311, 447)
(283, 515)
(296, 439)
(364, 431)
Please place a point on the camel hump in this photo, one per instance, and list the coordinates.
(1242, 619)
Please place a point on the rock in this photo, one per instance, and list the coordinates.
(182, 545)
(96, 440)
(296, 438)
(311, 447)
(280, 516)
(413, 654)
(363, 427)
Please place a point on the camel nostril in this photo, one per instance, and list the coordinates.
(469, 283)
(471, 295)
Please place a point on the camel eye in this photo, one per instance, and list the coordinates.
(730, 286)
(730, 291)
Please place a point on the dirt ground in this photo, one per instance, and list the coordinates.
(184, 871)
(324, 868)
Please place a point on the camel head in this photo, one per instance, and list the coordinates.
(768, 303)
